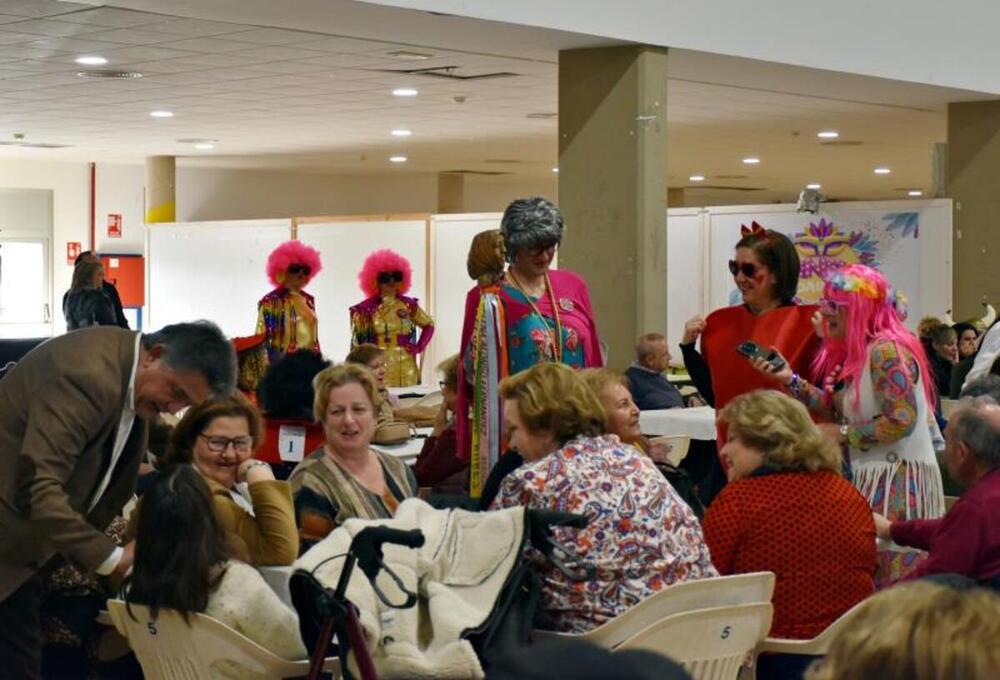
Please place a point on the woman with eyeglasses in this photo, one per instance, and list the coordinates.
(872, 376)
(765, 270)
(389, 319)
(530, 315)
(287, 315)
(219, 439)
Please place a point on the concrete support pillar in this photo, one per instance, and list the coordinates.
(161, 195)
(973, 167)
(451, 192)
(613, 189)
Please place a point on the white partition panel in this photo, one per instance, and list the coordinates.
(210, 270)
(451, 236)
(687, 252)
(344, 244)
(908, 241)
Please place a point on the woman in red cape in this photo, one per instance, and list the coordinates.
(766, 272)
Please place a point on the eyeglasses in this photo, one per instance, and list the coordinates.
(441, 384)
(219, 444)
(748, 268)
(547, 249)
(298, 269)
(829, 307)
(389, 277)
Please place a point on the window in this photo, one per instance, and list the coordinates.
(24, 295)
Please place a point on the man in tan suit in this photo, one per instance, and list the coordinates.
(73, 418)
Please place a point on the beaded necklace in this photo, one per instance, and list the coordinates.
(557, 344)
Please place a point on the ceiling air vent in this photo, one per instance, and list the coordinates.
(717, 187)
(842, 142)
(541, 116)
(502, 161)
(447, 72)
(475, 172)
(35, 145)
(113, 75)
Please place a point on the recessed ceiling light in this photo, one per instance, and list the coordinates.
(814, 185)
(91, 60)
(915, 193)
(827, 134)
(401, 133)
(555, 169)
(397, 159)
(405, 92)
(751, 160)
(160, 113)
(697, 178)
(204, 146)
(882, 170)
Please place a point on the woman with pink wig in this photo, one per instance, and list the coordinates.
(877, 382)
(389, 319)
(287, 315)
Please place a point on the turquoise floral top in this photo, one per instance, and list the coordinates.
(529, 339)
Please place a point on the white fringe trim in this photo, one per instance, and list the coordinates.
(870, 477)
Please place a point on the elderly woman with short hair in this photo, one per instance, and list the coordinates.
(641, 536)
(536, 315)
(347, 478)
(786, 509)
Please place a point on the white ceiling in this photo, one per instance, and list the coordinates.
(303, 91)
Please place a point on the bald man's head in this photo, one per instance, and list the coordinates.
(973, 439)
(651, 351)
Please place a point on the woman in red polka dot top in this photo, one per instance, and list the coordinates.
(787, 509)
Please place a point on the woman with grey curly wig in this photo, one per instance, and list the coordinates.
(531, 315)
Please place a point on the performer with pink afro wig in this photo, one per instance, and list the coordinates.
(875, 380)
(389, 319)
(287, 315)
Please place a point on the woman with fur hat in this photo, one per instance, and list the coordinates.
(389, 319)
(530, 315)
(287, 315)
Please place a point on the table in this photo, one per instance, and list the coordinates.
(697, 422)
(408, 450)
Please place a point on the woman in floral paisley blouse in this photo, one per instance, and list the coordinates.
(641, 536)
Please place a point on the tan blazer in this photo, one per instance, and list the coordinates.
(59, 413)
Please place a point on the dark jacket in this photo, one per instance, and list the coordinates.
(652, 391)
(89, 307)
(111, 293)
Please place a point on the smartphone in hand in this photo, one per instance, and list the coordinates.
(751, 350)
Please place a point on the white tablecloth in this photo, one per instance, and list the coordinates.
(408, 450)
(697, 422)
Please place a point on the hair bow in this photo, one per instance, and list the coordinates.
(754, 230)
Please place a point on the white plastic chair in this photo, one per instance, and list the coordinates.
(817, 646)
(170, 649)
(679, 445)
(681, 597)
(711, 644)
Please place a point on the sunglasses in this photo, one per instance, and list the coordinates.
(748, 268)
(389, 277)
(829, 307)
(299, 269)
